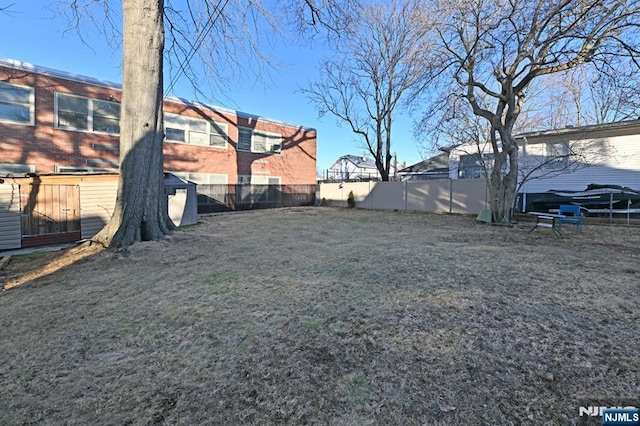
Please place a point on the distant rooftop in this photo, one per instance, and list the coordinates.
(582, 129)
(439, 162)
(358, 160)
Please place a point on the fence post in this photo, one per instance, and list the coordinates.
(611, 207)
(450, 195)
(487, 193)
(406, 195)
(370, 196)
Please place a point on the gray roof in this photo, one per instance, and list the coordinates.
(174, 181)
(358, 161)
(618, 125)
(437, 163)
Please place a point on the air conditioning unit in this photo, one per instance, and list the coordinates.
(276, 147)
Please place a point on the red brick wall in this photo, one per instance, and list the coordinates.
(46, 146)
(296, 164)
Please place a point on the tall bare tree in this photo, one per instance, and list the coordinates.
(377, 61)
(496, 49)
(141, 209)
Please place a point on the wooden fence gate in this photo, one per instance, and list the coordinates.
(50, 213)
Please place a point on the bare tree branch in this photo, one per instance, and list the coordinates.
(380, 62)
(501, 48)
(7, 9)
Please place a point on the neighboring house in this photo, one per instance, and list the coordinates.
(568, 159)
(470, 161)
(354, 167)
(436, 167)
(56, 122)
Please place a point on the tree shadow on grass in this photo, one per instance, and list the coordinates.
(28, 268)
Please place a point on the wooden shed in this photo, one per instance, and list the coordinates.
(9, 215)
(39, 210)
(52, 209)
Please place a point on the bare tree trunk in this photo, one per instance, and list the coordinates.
(502, 191)
(141, 206)
(503, 180)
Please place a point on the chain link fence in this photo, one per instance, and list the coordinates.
(222, 198)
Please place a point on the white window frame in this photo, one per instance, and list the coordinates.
(102, 164)
(200, 178)
(475, 166)
(90, 114)
(556, 155)
(190, 130)
(15, 168)
(244, 131)
(31, 104)
(255, 180)
(244, 180)
(223, 133)
(270, 147)
(78, 169)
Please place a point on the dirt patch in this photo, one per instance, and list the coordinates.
(321, 315)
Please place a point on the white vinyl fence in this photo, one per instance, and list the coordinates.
(466, 196)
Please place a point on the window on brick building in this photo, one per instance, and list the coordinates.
(258, 180)
(258, 189)
(16, 104)
(13, 168)
(92, 115)
(218, 136)
(259, 141)
(106, 117)
(195, 131)
(77, 169)
(244, 139)
(203, 178)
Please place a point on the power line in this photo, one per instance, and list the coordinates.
(194, 47)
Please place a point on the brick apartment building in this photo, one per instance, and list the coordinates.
(56, 122)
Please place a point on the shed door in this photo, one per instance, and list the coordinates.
(178, 205)
(50, 214)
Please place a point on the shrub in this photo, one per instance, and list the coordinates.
(351, 201)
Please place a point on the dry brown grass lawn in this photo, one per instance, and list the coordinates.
(330, 316)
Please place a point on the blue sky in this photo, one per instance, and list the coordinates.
(31, 33)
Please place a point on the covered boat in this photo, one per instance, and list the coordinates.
(595, 199)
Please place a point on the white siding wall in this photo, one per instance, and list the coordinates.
(614, 161)
(97, 200)
(346, 169)
(10, 228)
